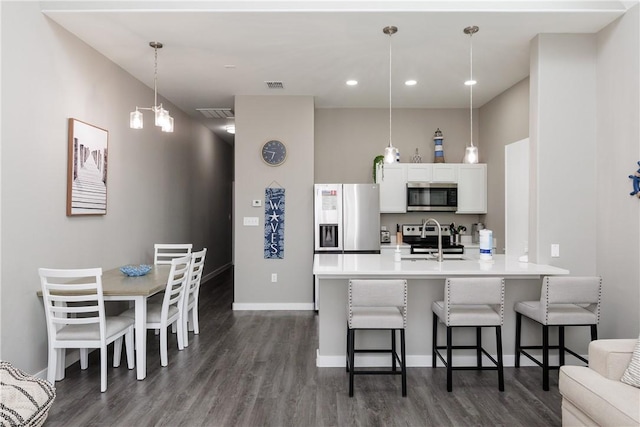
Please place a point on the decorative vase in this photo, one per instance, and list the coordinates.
(416, 158)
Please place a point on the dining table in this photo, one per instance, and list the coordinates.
(116, 286)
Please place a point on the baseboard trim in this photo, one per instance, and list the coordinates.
(416, 361)
(276, 306)
(216, 272)
(72, 357)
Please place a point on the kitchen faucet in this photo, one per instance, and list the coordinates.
(424, 234)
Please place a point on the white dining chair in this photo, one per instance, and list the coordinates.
(191, 296)
(163, 253)
(76, 319)
(170, 312)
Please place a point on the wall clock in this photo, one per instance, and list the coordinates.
(274, 152)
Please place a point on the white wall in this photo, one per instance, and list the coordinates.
(48, 75)
(291, 120)
(618, 150)
(503, 120)
(348, 139)
(563, 151)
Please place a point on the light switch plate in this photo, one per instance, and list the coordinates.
(555, 250)
(251, 221)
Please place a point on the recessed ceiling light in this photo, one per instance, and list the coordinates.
(470, 82)
(352, 82)
(411, 82)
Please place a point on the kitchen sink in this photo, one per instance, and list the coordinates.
(431, 257)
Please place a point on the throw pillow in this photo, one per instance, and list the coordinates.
(632, 375)
(26, 400)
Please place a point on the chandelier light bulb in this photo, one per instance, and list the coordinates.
(470, 155)
(167, 126)
(135, 120)
(390, 154)
(162, 117)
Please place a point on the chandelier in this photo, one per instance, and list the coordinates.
(162, 117)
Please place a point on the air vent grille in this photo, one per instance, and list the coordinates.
(275, 85)
(217, 113)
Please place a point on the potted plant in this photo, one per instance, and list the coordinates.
(377, 162)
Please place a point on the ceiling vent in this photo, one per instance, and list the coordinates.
(217, 113)
(275, 85)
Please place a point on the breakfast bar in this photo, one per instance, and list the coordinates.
(425, 278)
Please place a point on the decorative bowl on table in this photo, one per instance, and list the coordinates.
(135, 270)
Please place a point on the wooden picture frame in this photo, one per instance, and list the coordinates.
(87, 169)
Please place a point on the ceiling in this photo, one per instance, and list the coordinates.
(215, 50)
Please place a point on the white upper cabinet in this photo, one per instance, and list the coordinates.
(445, 172)
(393, 187)
(432, 172)
(419, 172)
(472, 189)
(471, 180)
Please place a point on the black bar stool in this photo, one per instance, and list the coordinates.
(470, 302)
(377, 304)
(564, 301)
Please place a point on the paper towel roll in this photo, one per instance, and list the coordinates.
(486, 243)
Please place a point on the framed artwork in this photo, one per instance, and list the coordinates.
(87, 169)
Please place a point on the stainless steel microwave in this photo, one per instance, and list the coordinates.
(425, 196)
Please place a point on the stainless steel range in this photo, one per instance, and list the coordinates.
(412, 235)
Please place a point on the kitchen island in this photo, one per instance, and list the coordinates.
(425, 280)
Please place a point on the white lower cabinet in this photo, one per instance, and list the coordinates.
(472, 189)
(392, 179)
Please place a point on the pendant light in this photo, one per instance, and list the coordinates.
(471, 152)
(391, 152)
(162, 117)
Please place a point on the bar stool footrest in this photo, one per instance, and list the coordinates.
(467, 347)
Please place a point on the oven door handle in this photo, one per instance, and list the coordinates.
(422, 250)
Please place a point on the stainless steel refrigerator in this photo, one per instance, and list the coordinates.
(347, 218)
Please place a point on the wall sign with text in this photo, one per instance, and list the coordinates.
(273, 223)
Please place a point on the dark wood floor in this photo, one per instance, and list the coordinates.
(258, 369)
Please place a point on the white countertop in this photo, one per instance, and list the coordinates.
(346, 266)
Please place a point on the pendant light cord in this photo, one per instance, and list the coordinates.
(471, 87)
(155, 78)
(390, 52)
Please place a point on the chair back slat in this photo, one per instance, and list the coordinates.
(87, 298)
(474, 290)
(195, 270)
(165, 252)
(176, 283)
(72, 303)
(377, 293)
(75, 309)
(571, 290)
